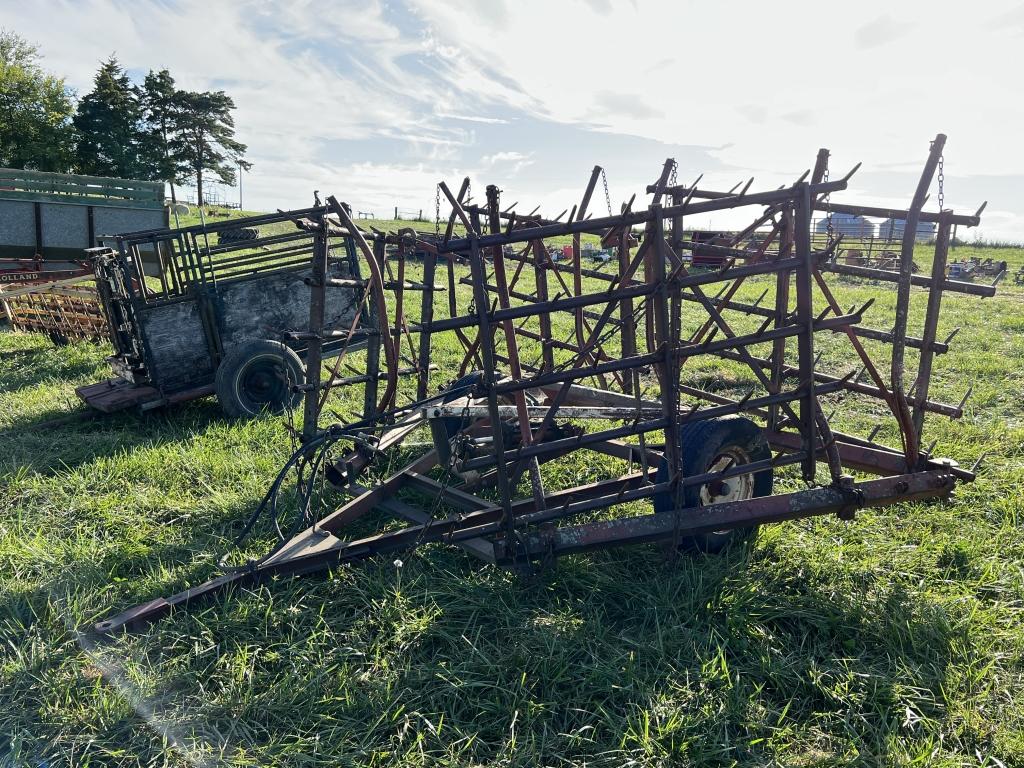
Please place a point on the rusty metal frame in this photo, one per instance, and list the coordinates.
(623, 361)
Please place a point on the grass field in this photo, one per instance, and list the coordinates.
(897, 639)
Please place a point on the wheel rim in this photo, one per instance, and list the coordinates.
(263, 383)
(735, 488)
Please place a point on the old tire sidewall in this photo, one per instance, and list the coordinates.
(701, 443)
(255, 378)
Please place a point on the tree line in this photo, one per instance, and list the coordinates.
(154, 131)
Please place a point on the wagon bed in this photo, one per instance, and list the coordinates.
(178, 303)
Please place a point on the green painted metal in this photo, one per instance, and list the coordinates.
(62, 199)
(63, 188)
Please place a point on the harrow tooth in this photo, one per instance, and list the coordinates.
(977, 463)
(965, 398)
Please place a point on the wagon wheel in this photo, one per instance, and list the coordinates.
(258, 377)
(717, 445)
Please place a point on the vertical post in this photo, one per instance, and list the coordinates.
(911, 437)
(540, 271)
(931, 321)
(805, 320)
(38, 212)
(379, 324)
(396, 333)
(508, 326)
(787, 238)
(667, 370)
(782, 282)
(628, 323)
(649, 272)
(677, 221)
(314, 352)
(486, 337)
(426, 318)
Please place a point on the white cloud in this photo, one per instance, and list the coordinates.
(510, 162)
(881, 31)
(473, 118)
(503, 157)
(787, 81)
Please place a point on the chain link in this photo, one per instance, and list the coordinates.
(828, 210)
(672, 180)
(607, 197)
(942, 183)
(437, 211)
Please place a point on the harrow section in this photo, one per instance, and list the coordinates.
(697, 388)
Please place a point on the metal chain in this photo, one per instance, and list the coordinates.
(469, 190)
(437, 211)
(607, 197)
(942, 184)
(672, 182)
(289, 413)
(828, 210)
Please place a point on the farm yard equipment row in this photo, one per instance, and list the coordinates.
(552, 358)
(57, 299)
(46, 221)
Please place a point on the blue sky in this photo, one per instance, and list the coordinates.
(376, 101)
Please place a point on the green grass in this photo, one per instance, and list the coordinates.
(896, 639)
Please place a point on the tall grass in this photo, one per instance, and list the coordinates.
(896, 639)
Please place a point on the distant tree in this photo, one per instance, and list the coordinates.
(35, 110)
(208, 137)
(163, 141)
(109, 122)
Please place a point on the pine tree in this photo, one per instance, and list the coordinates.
(208, 137)
(163, 143)
(110, 135)
(35, 110)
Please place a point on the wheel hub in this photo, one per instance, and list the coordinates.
(738, 488)
(263, 384)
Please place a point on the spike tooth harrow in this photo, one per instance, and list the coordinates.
(545, 340)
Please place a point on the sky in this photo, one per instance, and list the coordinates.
(375, 101)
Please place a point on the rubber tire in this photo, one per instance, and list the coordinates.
(700, 443)
(232, 372)
(237, 235)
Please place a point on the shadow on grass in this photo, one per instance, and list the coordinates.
(84, 437)
(21, 368)
(708, 661)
